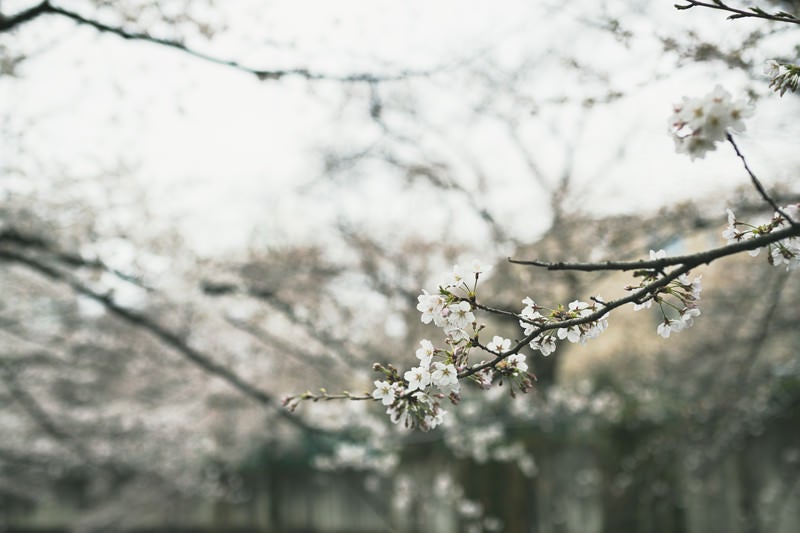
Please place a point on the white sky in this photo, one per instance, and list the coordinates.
(229, 160)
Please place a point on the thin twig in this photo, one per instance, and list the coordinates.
(757, 184)
(46, 8)
(753, 12)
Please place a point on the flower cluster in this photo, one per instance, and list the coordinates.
(513, 367)
(531, 320)
(514, 364)
(411, 407)
(414, 398)
(782, 76)
(698, 123)
(785, 252)
(677, 300)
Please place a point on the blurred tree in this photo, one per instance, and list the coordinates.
(131, 366)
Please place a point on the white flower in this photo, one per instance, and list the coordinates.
(425, 352)
(546, 344)
(595, 328)
(661, 254)
(423, 399)
(499, 344)
(434, 419)
(647, 304)
(478, 267)
(786, 252)
(460, 315)
(792, 211)
(399, 415)
(484, 377)
(698, 123)
(582, 308)
(694, 145)
(772, 68)
(384, 392)
(782, 76)
(417, 378)
(530, 314)
(431, 307)
(517, 361)
(731, 216)
(455, 335)
(716, 122)
(572, 333)
(668, 326)
(730, 233)
(687, 317)
(445, 376)
(733, 235)
(696, 288)
(459, 276)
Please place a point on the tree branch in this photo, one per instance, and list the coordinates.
(686, 262)
(757, 184)
(46, 8)
(165, 336)
(694, 260)
(597, 315)
(32, 242)
(753, 12)
(9, 23)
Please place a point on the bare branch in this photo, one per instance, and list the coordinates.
(693, 260)
(757, 184)
(753, 12)
(9, 23)
(165, 336)
(46, 8)
(33, 242)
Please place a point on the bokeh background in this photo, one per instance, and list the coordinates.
(208, 206)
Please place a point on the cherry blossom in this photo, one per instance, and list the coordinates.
(461, 315)
(417, 378)
(445, 376)
(425, 352)
(499, 344)
(517, 363)
(667, 326)
(431, 307)
(384, 392)
(697, 124)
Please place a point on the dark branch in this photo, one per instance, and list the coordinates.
(9, 23)
(753, 12)
(33, 242)
(757, 184)
(46, 8)
(634, 297)
(697, 259)
(686, 263)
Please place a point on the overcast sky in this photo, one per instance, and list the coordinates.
(229, 160)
